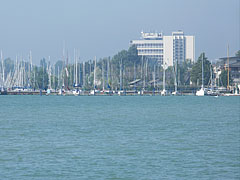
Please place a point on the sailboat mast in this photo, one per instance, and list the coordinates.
(79, 70)
(142, 70)
(202, 72)
(54, 78)
(103, 79)
(134, 75)
(18, 72)
(76, 71)
(228, 67)
(144, 81)
(164, 78)
(29, 71)
(154, 76)
(31, 63)
(49, 74)
(176, 73)
(94, 78)
(63, 66)
(34, 81)
(146, 73)
(121, 75)
(67, 73)
(58, 78)
(83, 74)
(74, 65)
(3, 80)
(107, 73)
(211, 75)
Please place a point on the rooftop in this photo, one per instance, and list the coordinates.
(151, 36)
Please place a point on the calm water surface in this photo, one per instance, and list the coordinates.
(119, 137)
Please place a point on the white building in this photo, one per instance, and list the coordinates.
(168, 49)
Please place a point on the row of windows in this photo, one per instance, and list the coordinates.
(175, 55)
(178, 50)
(179, 38)
(150, 45)
(161, 56)
(178, 42)
(178, 53)
(177, 45)
(158, 56)
(154, 51)
(178, 57)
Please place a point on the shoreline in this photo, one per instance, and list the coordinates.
(88, 93)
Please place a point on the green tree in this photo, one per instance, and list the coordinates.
(224, 78)
(238, 53)
(8, 65)
(41, 78)
(196, 73)
(184, 70)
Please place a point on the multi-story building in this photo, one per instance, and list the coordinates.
(234, 67)
(168, 49)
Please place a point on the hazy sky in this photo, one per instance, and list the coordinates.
(103, 27)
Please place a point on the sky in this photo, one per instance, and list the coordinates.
(104, 27)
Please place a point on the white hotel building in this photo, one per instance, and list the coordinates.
(168, 49)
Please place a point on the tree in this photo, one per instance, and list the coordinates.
(184, 72)
(224, 78)
(237, 53)
(196, 73)
(132, 56)
(8, 65)
(41, 78)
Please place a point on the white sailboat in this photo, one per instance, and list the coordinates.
(212, 91)
(164, 91)
(201, 92)
(76, 91)
(49, 72)
(94, 78)
(120, 92)
(175, 82)
(61, 89)
(3, 73)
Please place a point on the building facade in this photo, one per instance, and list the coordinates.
(166, 49)
(234, 67)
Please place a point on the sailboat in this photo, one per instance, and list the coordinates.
(164, 91)
(201, 92)
(175, 93)
(94, 78)
(61, 89)
(76, 91)
(3, 80)
(212, 91)
(120, 92)
(49, 72)
(3, 90)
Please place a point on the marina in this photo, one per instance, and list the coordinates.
(119, 90)
(110, 93)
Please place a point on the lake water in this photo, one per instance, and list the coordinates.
(132, 137)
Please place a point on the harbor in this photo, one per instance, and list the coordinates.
(120, 90)
(115, 93)
(117, 76)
